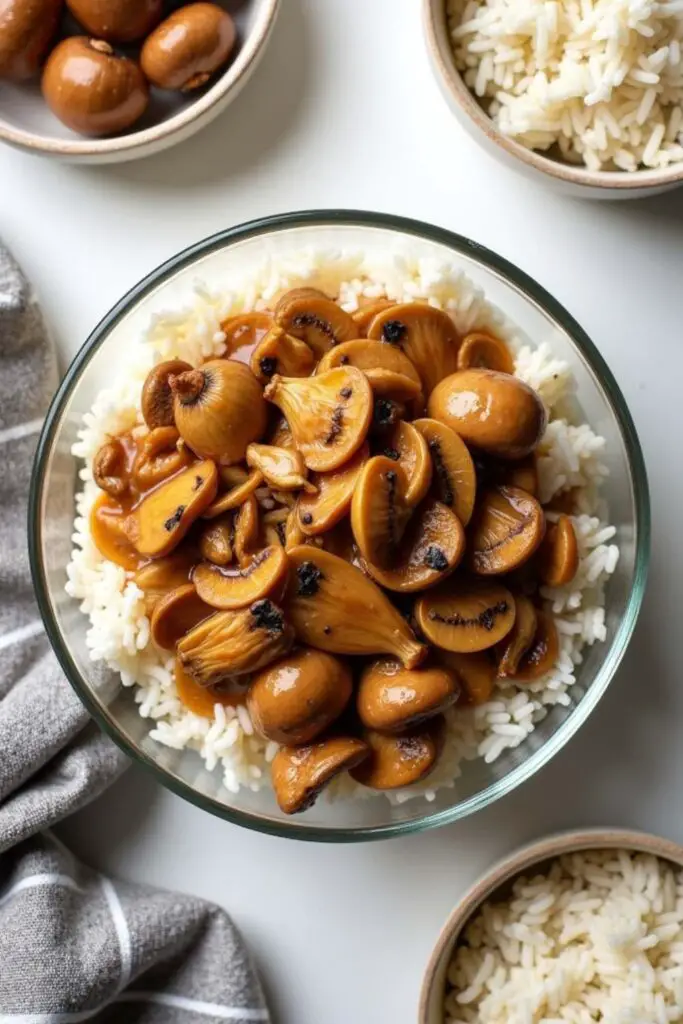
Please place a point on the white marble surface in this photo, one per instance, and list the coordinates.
(345, 112)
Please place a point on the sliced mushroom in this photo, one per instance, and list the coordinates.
(408, 448)
(391, 698)
(308, 314)
(379, 512)
(506, 529)
(111, 528)
(364, 316)
(244, 333)
(274, 526)
(466, 615)
(519, 639)
(281, 353)
(328, 414)
(216, 540)
(202, 700)
(386, 413)
(397, 761)
(283, 468)
(335, 607)
(476, 672)
(157, 398)
(164, 516)
(294, 535)
(543, 653)
(390, 372)
(481, 351)
(558, 555)
(492, 411)
(232, 587)
(159, 458)
(233, 643)
(523, 474)
(176, 614)
(165, 574)
(299, 774)
(219, 409)
(298, 697)
(110, 468)
(432, 547)
(321, 510)
(246, 531)
(427, 336)
(454, 478)
(237, 494)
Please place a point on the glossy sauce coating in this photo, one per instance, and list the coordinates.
(185, 50)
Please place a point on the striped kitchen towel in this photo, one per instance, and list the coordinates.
(75, 946)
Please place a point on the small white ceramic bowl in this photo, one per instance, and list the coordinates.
(26, 121)
(576, 180)
(497, 881)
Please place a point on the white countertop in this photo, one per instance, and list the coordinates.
(344, 112)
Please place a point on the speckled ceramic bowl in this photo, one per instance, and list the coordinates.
(27, 123)
(576, 180)
(497, 881)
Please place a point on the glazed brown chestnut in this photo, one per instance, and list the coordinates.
(26, 31)
(185, 50)
(117, 21)
(92, 89)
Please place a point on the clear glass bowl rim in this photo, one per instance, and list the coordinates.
(535, 294)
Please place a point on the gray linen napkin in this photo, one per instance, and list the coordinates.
(75, 946)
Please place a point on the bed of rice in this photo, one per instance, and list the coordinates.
(570, 458)
(599, 937)
(602, 80)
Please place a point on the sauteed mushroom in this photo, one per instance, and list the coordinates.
(507, 527)
(466, 615)
(392, 698)
(427, 336)
(308, 314)
(397, 761)
(300, 773)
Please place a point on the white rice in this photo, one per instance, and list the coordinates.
(599, 937)
(570, 458)
(602, 80)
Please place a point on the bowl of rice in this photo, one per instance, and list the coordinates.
(588, 94)
(95, 614)
(580, 927)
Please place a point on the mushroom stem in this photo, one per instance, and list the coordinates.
(188, 386)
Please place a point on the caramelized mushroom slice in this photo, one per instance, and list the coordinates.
(294, 535)
(237, 494)
(406, 445)
(231, 587)
(391, 698)
(308, 314)
(481, 351)
(219, 409)
(390, 372)
(246, 531)
(281, 353)
(519, 639)
(216, 540)
(111, 528)
(454, 478)
(283, 468)
(328, 414)
(432, 548)
(507, 527)
(397, 761)
(176, 614)
(244, 333)
(157, 398)
(364, 316)
(165, 574)
(164, 516)
(158, 458)
(427, 336)
(202, 700)
(379, 512)
(522, 474)
(476, 672)
(300, 773)
(558, 555)
(329, 503)
(334, 606)
(110, 468)
(466, 615)
(273, 527)
(233, 643)
(492, 411)
(298, 697)
(543, 653)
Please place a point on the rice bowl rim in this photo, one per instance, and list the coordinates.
(535, 854)
(435, 21)
(532, 293)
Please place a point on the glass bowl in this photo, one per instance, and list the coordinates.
(55, 482)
